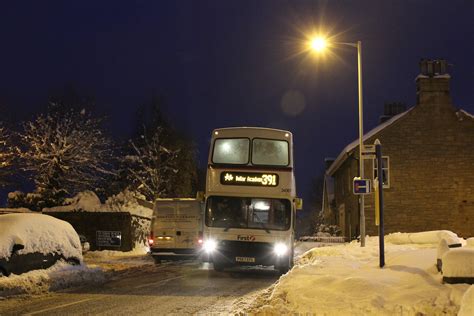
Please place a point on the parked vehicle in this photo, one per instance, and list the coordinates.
(176, 229)
(35, 241)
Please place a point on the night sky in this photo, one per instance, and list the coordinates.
(233, 63)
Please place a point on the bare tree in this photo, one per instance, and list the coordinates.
(150, 165)
(160, 161)
(7, 156)
(64, 151)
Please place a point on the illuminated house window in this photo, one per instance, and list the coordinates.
(385, 171)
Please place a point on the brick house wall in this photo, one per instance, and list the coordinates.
(431, 156)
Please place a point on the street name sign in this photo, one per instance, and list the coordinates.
(368, 152)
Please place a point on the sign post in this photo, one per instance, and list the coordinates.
(379, 192)
(376, 202)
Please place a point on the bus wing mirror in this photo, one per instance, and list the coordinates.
(299, 203)
(200, 196)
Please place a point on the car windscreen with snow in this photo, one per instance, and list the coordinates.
(256, 213)
(36, 241)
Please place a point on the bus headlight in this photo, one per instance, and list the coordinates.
(280, 249)
(209, 245)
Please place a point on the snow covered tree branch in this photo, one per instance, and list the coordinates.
(64, 151)
(159, 161)
(150, 165)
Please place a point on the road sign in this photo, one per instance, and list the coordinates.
(368, 149)
(368, 152)
(361, 186)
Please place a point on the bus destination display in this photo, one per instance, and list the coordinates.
(249, 178)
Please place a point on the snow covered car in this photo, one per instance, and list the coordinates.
(36, 241)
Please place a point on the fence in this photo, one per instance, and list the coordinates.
(329, 239)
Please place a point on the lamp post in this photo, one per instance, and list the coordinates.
(319, 44)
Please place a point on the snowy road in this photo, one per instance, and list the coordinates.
(172, 288)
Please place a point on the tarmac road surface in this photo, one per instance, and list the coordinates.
(185, 287)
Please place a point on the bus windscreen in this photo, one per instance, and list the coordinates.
(255, 213)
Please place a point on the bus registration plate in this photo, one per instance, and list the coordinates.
(244, 259)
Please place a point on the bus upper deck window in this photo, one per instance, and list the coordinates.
(231, 151)
(270, 152)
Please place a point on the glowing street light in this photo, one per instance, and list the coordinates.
(318, 44)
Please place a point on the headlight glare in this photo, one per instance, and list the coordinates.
(280, 249)
(209, 245)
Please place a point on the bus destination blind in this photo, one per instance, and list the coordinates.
(249, 178)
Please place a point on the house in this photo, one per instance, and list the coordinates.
(428, 166)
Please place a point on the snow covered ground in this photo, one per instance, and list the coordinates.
(59, 276)
(332, 280)
(346, 280)
(98, 267)
(115, 261)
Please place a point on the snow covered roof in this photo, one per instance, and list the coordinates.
(462, 112)
(445, 76)
(345, 152)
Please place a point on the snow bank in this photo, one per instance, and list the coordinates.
(459, 262)
(14, 210)
(467, 303)
(59, 276)
(88, 201)
(38, 233)
(470, 242)
(128, 202)
(430, 237)
(346, 280)
(83, 201)
(141, 251)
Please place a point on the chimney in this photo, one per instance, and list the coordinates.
(392, 109)
(432, 84)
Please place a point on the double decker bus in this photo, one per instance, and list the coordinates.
(250, 196)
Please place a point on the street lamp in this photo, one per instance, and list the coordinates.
(318, 44)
